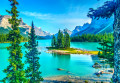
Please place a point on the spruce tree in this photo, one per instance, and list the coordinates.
(32, 71)
(54, 42)
(107, 50)
(62, 40)
(59, 39)
(15, 72)
(67, 40)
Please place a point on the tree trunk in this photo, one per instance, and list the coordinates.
(116, 27)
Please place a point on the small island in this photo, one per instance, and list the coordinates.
(63, 51)
(61, 46)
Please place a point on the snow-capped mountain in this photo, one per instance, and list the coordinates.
(24, 28)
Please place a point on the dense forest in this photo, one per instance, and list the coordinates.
(92, 37)
(62, 41)
(4, 38)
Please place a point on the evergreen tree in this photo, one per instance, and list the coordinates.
(107, 50)
(67, 40)
(60, 40)
(32, 71)
(15, 72)
(4, 38)
(106, 11)
(99, 54)
(54, 42)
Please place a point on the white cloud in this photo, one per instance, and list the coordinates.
(74, 21)
(70, 19)
(37, 15)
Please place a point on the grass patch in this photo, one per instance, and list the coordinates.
(72, 51)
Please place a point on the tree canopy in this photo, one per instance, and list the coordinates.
(32, 72)
(62, 41)
(106, 11)
(15, 71)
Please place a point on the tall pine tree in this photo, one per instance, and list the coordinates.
(67, 40)
(15, 72)
(107, 51)
(32, 71)
(54, 41)
(60, 40)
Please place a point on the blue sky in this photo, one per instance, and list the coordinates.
(52, 15)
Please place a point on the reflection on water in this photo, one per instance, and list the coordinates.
(63, 61)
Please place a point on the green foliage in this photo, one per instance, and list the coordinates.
(32, 71)
(62, 41)
(15, 72)
(86, 81)
(67, 40)
(92, 37)
(54, 42)
(107, 51)
(99, 54)
(105, 11)
(4, 38)
(96, 63)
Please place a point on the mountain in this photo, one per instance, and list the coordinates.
(24, 28)
(80, 28)
(40, 32)
(95, 27)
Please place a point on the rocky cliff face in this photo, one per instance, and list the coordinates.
(4, 21)
(40, 32)
(24, 28)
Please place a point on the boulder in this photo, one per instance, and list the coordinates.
(98, 74)
(111, 71)
(96, 65)
(60, 69)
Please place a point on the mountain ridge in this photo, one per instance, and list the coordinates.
(24, 28)
(95, 27)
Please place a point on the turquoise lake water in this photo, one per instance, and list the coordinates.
(77, 65)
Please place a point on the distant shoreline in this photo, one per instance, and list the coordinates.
(63, 51)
